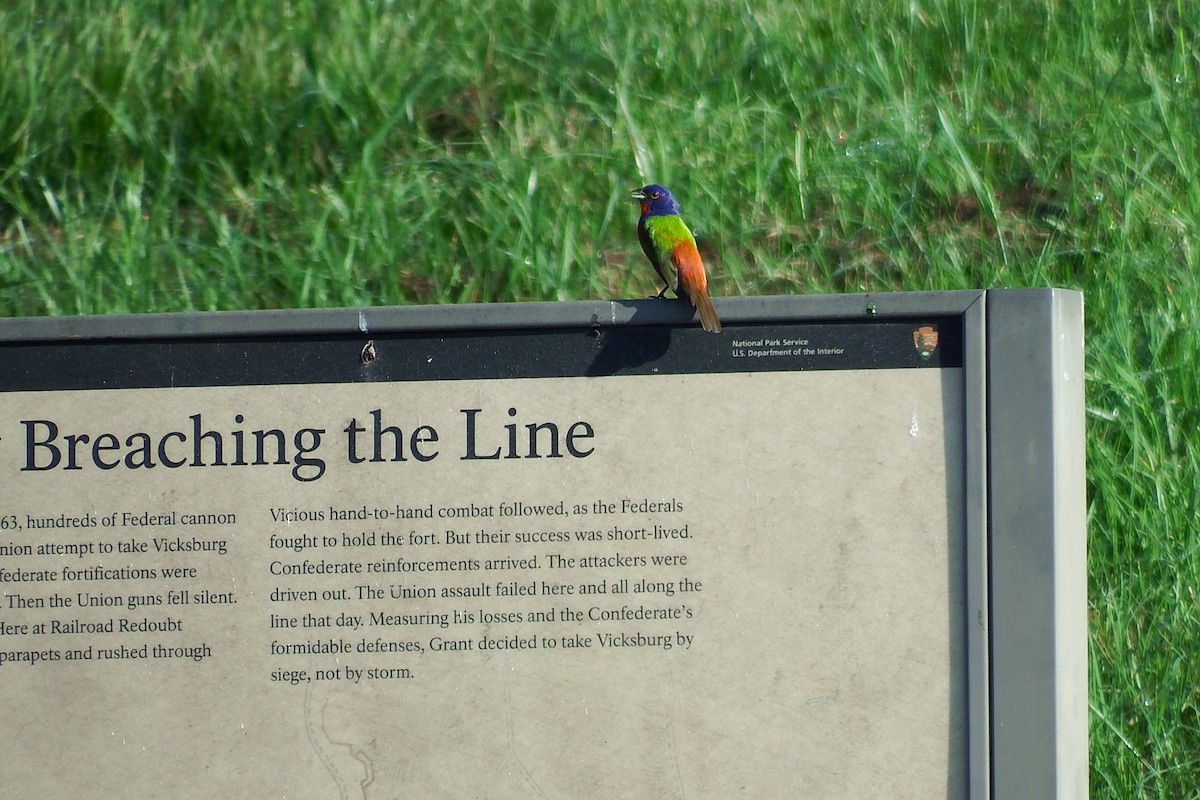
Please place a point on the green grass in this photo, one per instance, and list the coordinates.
(161, 157)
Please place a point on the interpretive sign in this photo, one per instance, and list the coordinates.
(546, 550)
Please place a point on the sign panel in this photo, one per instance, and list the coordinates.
(509, 560)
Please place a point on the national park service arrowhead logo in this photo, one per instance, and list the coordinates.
(925, 339)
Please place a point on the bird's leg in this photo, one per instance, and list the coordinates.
(663, 291)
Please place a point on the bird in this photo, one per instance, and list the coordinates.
(672, 251)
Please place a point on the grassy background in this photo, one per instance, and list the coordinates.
(236, 154)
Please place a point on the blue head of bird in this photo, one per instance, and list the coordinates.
(656, 200)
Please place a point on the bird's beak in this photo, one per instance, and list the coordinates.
(638, 194)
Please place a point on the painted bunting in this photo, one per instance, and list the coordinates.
(671, 247)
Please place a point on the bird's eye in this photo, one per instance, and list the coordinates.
(654, 195)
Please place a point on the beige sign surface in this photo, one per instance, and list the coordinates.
(654, 586)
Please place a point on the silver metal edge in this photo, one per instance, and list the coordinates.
(479, 316)
(1038, 548)
(979, 743)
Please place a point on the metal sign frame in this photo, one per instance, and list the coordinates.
(1022, 356)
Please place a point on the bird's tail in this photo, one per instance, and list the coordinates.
(704, 307)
